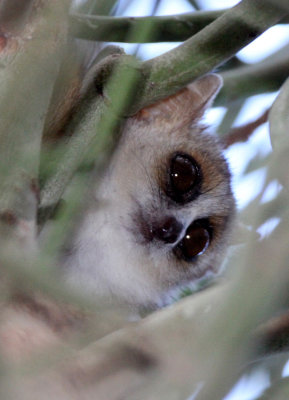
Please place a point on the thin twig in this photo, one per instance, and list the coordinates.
(243, 133)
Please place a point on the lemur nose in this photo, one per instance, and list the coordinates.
(168, 230)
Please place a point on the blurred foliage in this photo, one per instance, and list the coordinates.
(60, 117)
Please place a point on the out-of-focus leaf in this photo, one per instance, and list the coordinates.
(256, 163)
(279, 128)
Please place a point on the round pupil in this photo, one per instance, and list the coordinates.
(194, 243)
(183, 174)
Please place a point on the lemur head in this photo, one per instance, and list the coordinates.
(168, 203)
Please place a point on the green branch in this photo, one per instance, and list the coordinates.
(216, 43)
(26, 82)
(173, 28)
(94, 128)
(265, 76)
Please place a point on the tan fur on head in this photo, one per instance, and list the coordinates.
(185, 106)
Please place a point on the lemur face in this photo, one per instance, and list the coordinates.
(168, 206)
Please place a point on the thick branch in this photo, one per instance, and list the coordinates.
(208, 48)
(173, 28)
(30, 66)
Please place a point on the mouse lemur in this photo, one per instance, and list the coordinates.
(166, 205)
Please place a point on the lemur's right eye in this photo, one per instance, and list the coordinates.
(184, 178)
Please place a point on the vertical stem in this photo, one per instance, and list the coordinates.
(29, 69)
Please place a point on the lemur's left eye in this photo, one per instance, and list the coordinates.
(196, 240)
(184, 178)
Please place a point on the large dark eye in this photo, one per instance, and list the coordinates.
(184, 178)
(196, 240)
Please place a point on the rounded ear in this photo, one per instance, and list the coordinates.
(185, 107)
(207, 87)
